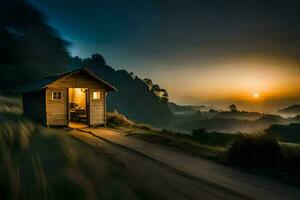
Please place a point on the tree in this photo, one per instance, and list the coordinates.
(30, 49)
(232, 108)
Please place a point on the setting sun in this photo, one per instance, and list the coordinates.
(256, 95)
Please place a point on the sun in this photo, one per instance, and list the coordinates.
(255, 95)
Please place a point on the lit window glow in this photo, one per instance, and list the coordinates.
(96, 95)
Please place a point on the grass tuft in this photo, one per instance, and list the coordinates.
(115, 119)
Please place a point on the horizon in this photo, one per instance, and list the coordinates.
(211, 54)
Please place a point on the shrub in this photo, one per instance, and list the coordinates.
(116, 119)
(291, 157)
(255, 151)
(212, 138)
(285, 133)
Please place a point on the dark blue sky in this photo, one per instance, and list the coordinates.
(156, 31)
(161, 38)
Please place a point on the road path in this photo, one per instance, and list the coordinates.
(190, 177)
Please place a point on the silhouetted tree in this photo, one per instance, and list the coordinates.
(232, 108)
(29, 48)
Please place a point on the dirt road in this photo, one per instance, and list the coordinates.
(169, 174)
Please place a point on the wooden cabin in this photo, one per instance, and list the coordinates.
(76, 97)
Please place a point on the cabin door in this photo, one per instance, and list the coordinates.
(78, 105)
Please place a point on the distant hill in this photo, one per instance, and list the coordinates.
(241, 115)
(183, 109)
(228, 122)
(134, 99)
(286, 133)
(291, 110)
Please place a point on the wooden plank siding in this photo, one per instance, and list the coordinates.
(57, 112)
(97, 107)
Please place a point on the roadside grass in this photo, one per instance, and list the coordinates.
(262, 154)
(191, 144)
(117, 120)
(10, 105)
(291, 153)
(257, 153)
(43, 163)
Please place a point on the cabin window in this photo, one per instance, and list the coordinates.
(96, 95)
(56, 95)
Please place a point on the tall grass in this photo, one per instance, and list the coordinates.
(39, 163)
(10, 105)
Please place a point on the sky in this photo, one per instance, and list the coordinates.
(203, 52)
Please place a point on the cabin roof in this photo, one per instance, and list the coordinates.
(44, 82)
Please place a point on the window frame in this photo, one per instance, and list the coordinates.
(56, 99)
(95, 92)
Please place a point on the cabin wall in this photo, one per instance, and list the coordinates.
(34, 106)
(97, 107)
(57, 109)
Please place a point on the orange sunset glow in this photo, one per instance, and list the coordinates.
(234, 81)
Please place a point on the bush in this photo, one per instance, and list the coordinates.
(291, 158)
(255, 151)
(212, 138)
(285, 133)
(115, 119)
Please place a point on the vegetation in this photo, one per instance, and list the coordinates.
(291, 163)
(116, 120)
(43, 163)
(208, 148)
(212, 138)
(257, 150)
(39, 163)
(30, 49)
(285, 133)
